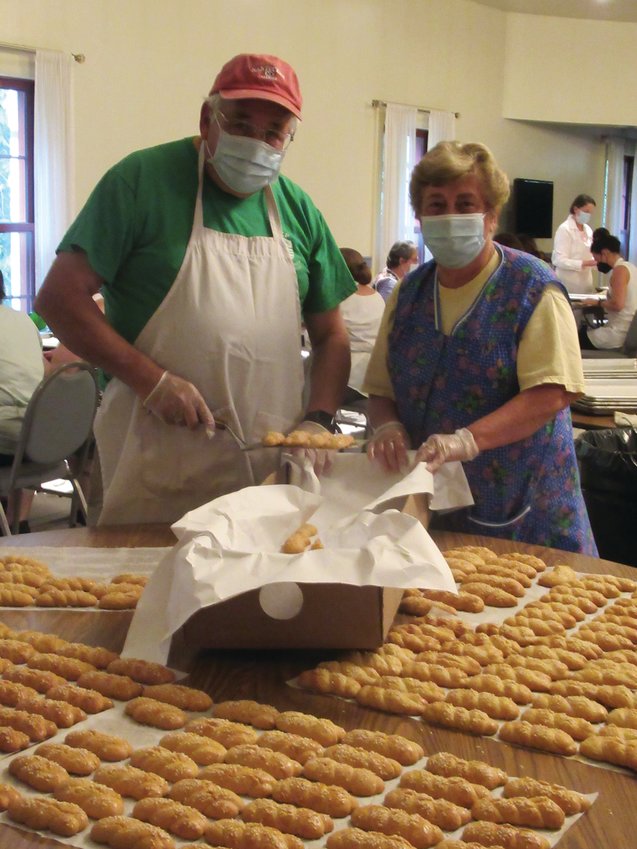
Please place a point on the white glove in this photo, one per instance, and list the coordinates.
(442, 447)
(388, 446)
(177, 402)
(320, 458)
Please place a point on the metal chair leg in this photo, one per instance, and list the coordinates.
(17, 506)
(78, 502)
(4, 525)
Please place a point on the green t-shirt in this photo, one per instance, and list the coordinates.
(136, 225)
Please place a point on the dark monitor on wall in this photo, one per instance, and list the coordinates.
(533, 207)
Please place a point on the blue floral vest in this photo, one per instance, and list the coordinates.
(529, 490)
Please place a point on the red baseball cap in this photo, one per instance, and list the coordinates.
(262, 77)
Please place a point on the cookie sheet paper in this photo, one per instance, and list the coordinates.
(233, 545)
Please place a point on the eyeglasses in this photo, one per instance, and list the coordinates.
(240, 127)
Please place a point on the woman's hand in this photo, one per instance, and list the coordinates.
(441, 448)
(388, 446)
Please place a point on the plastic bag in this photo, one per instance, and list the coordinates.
(608, 460)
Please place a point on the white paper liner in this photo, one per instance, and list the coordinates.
(99, 564)
(233, 545)
(497, 616)
(115, 721)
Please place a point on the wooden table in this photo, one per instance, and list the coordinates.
(262, 676)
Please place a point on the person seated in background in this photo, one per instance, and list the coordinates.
(621, 302)
(509, 240)
(529, 246)
(571, 256)
(401, 258)
(362, 313)
(21, 370)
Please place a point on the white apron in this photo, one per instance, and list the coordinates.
(231, 325)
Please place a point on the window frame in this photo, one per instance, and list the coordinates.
(27, 88)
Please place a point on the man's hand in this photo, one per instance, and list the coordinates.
(441, 448)
(177, 402)
(388, 446)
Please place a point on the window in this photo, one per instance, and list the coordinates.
(422, 138)
(16, 192)
(627, 199)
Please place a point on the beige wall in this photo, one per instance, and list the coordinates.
(149, 63)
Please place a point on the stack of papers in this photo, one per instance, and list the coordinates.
(610, 369)
(606, 395)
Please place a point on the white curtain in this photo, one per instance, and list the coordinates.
(396, 219)
(632, 251)
(53, 155)
(442, 127)
(614, 187)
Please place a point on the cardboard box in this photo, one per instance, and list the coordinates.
(332, 616)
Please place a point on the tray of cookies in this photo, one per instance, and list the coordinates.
(557, 674)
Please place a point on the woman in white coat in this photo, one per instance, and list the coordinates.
(621, 303)
(572, 257)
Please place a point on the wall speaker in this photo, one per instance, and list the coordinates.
(533, 207)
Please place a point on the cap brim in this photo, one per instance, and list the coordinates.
(260, 94)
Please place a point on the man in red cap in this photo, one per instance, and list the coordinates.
(209, 261)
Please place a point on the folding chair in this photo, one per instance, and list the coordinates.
(58, 423)
(628, 349)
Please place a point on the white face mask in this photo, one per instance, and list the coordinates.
(245, 165)
(582, 217)
(454, 240)
(413, 267)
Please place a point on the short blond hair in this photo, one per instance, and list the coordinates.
(449, 161)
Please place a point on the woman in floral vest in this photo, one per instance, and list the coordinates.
(477, 361)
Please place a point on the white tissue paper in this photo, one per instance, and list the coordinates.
(233, 544)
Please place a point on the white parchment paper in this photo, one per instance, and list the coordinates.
(233, 545)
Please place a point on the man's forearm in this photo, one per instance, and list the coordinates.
(66, 302)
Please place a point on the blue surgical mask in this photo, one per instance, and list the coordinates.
(582, 217)
(454, 240)
(245, 165)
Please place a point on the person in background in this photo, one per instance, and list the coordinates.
(362, 313)
(510, 240)
(571, 256)
(401, 258)
(621, 301)
(477, 361)
(208, 260)
(21, 371)
(529, 246)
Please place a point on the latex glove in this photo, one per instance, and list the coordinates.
(320, 458)
(388, 446)
(177, 402)
(440, 448)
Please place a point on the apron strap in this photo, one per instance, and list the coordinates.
(274, 217)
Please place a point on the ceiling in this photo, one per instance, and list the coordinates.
(599, 10)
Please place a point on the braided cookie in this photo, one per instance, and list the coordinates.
(507, 836)
(120, 832)
(96, 800)
(420, 833)
(174, 817)
(63, 818)
(324, 798)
